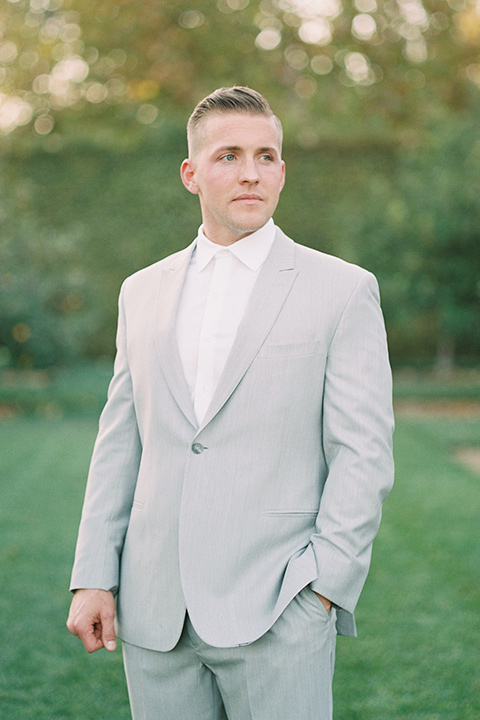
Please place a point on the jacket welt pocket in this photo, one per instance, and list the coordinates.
(291, 350)
(291, 513)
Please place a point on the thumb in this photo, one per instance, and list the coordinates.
(109, 638)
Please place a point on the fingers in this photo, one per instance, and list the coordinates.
(91, 619)
(326, 603)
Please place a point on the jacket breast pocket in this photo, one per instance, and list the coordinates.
(286, 350)
(291, 513)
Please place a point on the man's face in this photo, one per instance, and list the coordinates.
(237, 172)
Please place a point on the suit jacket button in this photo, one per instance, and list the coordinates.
(197, 448)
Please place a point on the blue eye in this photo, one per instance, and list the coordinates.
(229, 157)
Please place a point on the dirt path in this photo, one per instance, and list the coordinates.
(469, 457)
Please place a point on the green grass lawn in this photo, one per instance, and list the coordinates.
(418, 651)
(44, 674)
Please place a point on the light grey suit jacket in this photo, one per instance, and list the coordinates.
(280, 486)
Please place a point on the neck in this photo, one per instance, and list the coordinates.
(225, 239)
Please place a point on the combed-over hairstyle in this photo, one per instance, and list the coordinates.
(231, 99)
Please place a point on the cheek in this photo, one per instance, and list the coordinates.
(275, 179)
(210, 190)
(216, 183)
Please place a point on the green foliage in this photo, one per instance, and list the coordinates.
(77, 221)
(104, 214)
(421, 230)
(45, 301)
(116, 209)
(379, 102)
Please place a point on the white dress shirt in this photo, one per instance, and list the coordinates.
(214, 297)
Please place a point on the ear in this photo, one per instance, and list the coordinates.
(283, 176)
(187, 173)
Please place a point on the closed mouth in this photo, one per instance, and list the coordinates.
(248, 197)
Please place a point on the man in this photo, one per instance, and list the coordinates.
(243, 454)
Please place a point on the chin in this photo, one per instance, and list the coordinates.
(250, 224)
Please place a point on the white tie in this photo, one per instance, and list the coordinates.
(208, 371)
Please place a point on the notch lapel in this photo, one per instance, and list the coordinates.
(268, 296)
(166, 305)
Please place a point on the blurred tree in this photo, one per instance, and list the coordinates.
(375, 96)
(104, 212)
(46, 307)
(329, 66)
(421, 236)
(73, 224)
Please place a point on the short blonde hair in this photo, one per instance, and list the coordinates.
(230, 99)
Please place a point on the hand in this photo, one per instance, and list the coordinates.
(91, 617)
(326, 603)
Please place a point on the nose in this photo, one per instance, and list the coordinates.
(248, 171)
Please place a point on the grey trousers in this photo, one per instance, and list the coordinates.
(284, 675)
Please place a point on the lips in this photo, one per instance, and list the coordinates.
(248, 196)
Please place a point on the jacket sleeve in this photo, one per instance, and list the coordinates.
(357, 443)
(111, 479)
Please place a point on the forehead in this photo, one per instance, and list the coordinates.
(240, 129)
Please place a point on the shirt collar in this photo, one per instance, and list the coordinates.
(251, 250)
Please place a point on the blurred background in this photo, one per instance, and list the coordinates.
(380, 102)
(381, 107)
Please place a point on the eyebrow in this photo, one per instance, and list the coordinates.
(237, 148)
